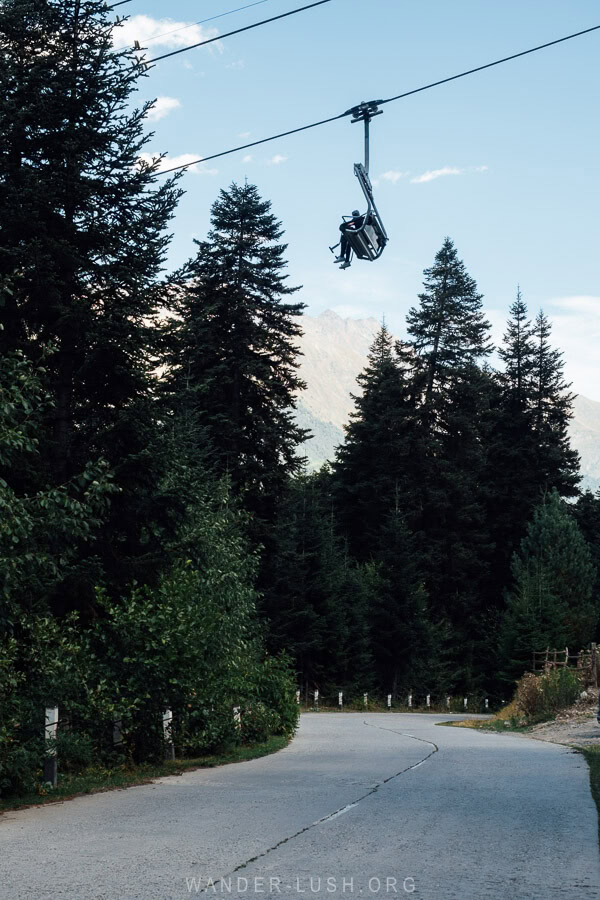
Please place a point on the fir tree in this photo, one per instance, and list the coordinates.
(448, 329)
(377, 466)
(82, 225)
(556, 462)
(587, 515)
(233, 359)
(529, 450)
(552, 601)
(450, 337)
(316, 598)
(512, 476)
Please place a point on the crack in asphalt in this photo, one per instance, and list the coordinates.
(338, 812)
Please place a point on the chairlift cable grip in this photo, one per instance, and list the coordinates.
(364, 112)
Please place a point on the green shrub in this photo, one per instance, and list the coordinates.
(560, 689)
(75, 752)
(276, 688)
(541, 696)
(259, 723)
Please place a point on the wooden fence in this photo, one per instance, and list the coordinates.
(585, 660)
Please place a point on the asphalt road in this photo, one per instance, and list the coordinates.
(368, 805)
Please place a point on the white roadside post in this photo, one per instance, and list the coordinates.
(389, 701)
(428, 700)
(50, 729)
(366, 700)
(117, 734)
(466, 702)
(448, 702)
(487, 703)
(341, 700)
(168, 734)
(298, 697)
(237, 716)
(410, 701)
(317, 698)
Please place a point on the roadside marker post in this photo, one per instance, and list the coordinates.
(448, 702)
(298, 697)
(487, 703)
(341, 700)
(466, 702)
(389, 701)
(117, 734)
(50, 729)
(366, 700)
(317, 698)
(429, 700)
(168, 734)
(410, 701)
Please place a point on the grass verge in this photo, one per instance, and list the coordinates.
(97, 780)
(592, 757)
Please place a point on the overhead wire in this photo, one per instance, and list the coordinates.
(220, 37)
(349, 112)
(229, 12)
(496, 62)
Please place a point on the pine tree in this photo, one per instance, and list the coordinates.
(316, 598)
(448, 329)
(82, 224)
(450, 337)
(552, 602)
(377, 466)
(587, 515)
(512, 474)
(556, 462)
(233, 359)
(402, 633)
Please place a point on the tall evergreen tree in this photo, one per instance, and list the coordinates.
(82, 224)
(587, 515)
(378, 461)
(557, 463)
(529, 450)
(317, 598)
(448, 329)
(552, 602)
(450, 336)
(514, 484)
(234, 359)
(375, 485)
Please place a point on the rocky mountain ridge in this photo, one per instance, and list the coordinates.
(335, 351)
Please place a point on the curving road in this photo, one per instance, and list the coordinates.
(359, 805)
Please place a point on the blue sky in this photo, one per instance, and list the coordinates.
(505, 162)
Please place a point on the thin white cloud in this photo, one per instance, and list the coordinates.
(153, 33)
(162, 108)
(244, 134)
(238, 64)
(432, 174)
(277, 160)
(435, 173)
(247, 158)
(169, 162)
(394, 176)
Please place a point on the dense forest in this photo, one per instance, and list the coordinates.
(162, 545)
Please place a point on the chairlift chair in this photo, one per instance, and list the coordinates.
(369, 240)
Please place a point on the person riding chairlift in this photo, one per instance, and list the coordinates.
(345, 248)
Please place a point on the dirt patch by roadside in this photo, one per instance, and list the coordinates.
(577, 726)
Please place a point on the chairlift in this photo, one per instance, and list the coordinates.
(368, 240)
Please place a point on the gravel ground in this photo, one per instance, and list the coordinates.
(358, 805)
(578, 727)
